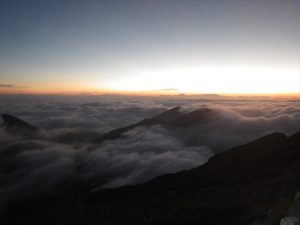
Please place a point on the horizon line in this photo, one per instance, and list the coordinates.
(150, 93)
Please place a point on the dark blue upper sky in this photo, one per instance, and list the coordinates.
(110, 44)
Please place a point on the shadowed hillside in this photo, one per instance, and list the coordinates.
(255, 182)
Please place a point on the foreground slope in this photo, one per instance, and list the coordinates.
(251, 183)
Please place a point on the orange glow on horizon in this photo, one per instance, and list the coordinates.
(90, 91)
(223, 80)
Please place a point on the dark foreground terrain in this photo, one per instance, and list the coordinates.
(250, 184)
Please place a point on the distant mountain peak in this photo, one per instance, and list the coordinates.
(15, 125)
(170, 118)
(195, 117)
(168, 115)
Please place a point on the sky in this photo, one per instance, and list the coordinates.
(159, 46)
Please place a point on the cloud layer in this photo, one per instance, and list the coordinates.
(43, 167)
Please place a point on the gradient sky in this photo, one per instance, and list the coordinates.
(220, 46)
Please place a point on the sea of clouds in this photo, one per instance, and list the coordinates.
(50, 164)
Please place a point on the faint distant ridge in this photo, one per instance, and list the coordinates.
(171, 119)
(211, 95)
(15, 125)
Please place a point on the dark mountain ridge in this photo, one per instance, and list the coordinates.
(15, 125)
(171, 119)
(251, 183)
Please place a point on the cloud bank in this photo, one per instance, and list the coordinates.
(44, 167)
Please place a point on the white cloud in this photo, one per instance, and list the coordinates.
(44, 167)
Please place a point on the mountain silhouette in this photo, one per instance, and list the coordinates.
(17, 126)
(254, 183)
(169, 118)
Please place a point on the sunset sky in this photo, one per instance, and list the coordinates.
(162, 46)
